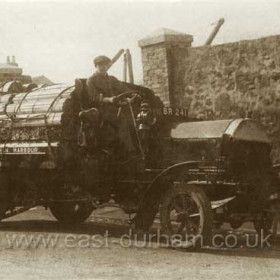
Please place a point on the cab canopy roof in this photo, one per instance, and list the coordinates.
(239, 129)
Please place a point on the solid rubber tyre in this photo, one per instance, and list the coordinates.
(199, 198)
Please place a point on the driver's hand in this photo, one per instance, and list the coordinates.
(112, 99)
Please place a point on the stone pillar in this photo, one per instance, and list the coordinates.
(158, 58)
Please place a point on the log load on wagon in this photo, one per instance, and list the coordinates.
(32, 126)
(31, 121)
(47, 117)
(43, 158)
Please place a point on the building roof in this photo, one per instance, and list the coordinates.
(9, 68)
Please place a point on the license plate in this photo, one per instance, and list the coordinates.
(175, 112)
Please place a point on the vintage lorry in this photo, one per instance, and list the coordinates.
(195, 174)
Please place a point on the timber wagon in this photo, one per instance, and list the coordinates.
(195, 174)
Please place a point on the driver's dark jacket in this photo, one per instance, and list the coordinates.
(109, 86)
(104, 84)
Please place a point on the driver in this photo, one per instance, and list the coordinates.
(102, 92)
(103, 88)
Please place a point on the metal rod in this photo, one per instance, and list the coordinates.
(135, 127)
(116, 57)
(125, 68)
(130, 68)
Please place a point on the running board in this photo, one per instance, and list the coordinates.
(218, 203)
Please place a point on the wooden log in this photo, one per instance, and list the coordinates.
(4, 98)
(42, 94)
(53, 119)
(29, 87)
(37, 107)
(41, 109)
(49, 99)
(11, 87)
(33, 97)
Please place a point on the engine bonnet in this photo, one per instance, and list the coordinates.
(239, 129)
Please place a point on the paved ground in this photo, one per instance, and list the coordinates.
(84, 252)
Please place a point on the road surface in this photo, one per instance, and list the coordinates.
(34, 246)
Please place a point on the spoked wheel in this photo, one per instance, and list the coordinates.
(186, 216)
(264, 221)
(236, 223)
(72, 211)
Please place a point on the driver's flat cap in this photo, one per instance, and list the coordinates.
(145, 103)
(101, 59)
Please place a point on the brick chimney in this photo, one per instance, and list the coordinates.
(13, 61)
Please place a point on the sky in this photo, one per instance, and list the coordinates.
(59, 39)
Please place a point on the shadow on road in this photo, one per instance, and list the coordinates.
(89, 228)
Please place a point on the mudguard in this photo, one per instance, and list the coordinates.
(150, 202)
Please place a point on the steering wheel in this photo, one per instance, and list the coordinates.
(128, 96)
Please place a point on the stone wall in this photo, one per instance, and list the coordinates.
(226, 81)
(231, 81)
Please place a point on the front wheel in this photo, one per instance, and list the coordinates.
(236, 223)
(263, 225)
(186, 216)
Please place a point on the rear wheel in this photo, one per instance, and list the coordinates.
(5, 194)
(186, 216)
(71, 212)
(71, 204)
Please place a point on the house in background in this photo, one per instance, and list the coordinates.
(10, 71)
(42, 80)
